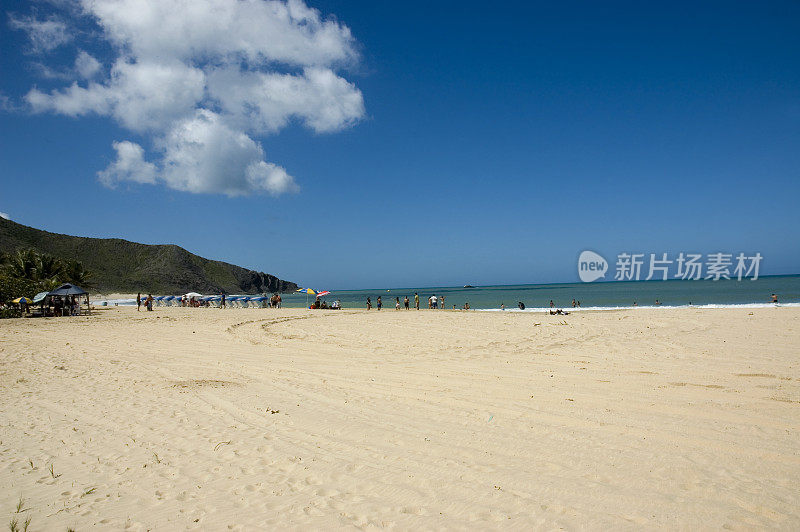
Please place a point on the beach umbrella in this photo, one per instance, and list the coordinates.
(22, 301)
(39, 297)
(306, 291)
(323, 293)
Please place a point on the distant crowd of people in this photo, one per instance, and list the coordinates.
(322, 304)
(434, 302)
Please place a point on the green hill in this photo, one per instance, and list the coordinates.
(121, 266)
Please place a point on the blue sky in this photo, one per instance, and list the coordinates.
(376, 144)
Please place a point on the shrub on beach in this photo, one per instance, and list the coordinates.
(14, 287)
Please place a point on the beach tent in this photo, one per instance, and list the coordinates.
(67, 289)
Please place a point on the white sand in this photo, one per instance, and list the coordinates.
(245, 419)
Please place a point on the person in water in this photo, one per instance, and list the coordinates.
(405, 302)
(552, 304)
(521, 305)
(774, 298)
(379, 303)
(369, 304)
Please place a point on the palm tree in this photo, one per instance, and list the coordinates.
(74, 272)
(49, 271)
(22, 264)
(44, 270)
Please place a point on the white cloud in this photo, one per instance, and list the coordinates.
(202, 154)
(265, 102)
(200, 78)
(256, 31)
(7, 104)
(4, 216)
(129, 166)
(140, 96)
(86, 65)
(44, 35)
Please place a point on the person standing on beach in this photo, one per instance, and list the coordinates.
(222, 302)
(369, 304)
(434, 301)
(397, 303)
(379, 303)
(442, 298)
(574, 303)
(138, 302)
(149, 302)
(416, 300)
(405, 302)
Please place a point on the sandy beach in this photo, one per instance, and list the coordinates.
(248, 418)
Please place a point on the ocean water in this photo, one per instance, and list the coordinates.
(592, 296)
(603, 295)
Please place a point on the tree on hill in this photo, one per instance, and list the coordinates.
(27, 272)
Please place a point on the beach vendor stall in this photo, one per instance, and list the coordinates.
(63, 297)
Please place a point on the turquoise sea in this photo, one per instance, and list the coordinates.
(592, 296)
(601, 295)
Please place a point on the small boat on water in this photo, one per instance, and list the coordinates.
(468, 286)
